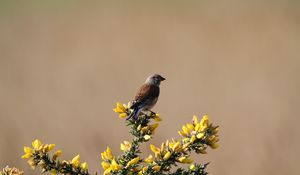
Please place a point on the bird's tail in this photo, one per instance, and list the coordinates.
(134, 114)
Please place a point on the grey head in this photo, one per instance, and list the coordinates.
(154, 79)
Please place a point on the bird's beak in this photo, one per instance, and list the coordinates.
(162, 79)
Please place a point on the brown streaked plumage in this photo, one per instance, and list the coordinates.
(147, 91)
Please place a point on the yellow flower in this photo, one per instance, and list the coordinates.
(121, 109)
(190, 126)
(185, 146)
(84, 166)
(122, 115)
(145, 169)
(75, 161)
(57, 154)
(36, 144)
(162, 147)
(144, 129)
(167, 155)
(107, 155)
(185, 140)
(105, 165)
(149, 159)
(195, 120)
(182, 134)
(204, 121)
(154, 149)
(156, 168)
(192, 167)
(185, 160)
(198, 127)
(153, 127)
(107, 171)
(185, 130)
(150, 128)
(49, 147)
(157, 118)
(176, 146)
(26, 156)
(133, 161)
(193, 138)
(114, 165)
(126, 146)
(28, 152)
(200, 135)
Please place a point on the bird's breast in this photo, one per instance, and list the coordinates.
(151, 104)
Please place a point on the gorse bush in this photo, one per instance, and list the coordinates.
(11, 171)
(197, 136)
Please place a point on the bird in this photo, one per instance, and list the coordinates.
(147, 96)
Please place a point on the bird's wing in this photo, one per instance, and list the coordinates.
(145, 93)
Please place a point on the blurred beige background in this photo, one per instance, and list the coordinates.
(64, 64)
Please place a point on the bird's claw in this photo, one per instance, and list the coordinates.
(152, 113)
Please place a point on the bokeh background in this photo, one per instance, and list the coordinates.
(64, 64)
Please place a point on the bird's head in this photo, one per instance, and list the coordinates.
(155, 79)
